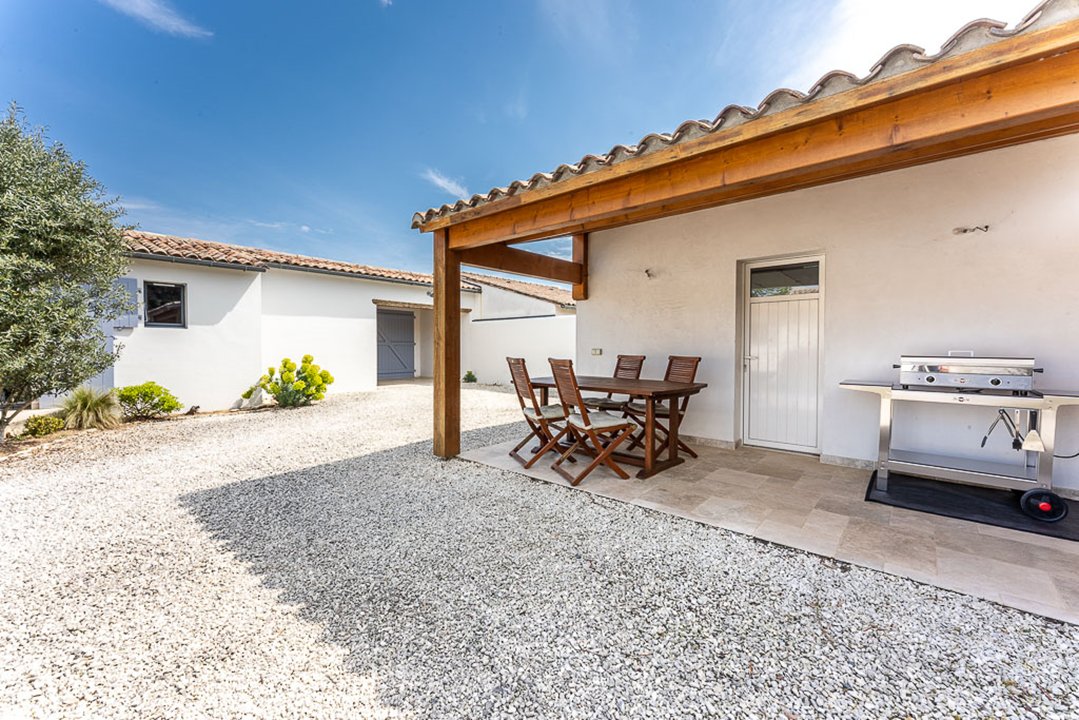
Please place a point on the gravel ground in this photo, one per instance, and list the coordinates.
(320, 563)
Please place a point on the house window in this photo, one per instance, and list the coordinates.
(799, 279)
(166, 304)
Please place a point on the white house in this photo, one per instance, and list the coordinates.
(930, 206)
(212, 317)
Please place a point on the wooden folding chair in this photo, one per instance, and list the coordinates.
(597, 433)
(542, 420)
(680, 368)
(627, 367)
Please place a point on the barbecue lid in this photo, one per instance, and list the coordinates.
(966, 364)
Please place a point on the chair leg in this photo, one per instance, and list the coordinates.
(557, 464)
(515, 452)
(637, 440)
(551, 444)
(608, 458)
(602, 457)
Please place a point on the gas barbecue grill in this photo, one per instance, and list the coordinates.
(1004, 384)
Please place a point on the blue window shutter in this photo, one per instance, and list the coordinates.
(129, 319)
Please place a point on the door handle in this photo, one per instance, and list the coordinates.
(747, 358)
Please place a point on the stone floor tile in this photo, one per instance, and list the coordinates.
(979, 573)
(793, 500)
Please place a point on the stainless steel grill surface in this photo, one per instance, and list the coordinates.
(999, 373)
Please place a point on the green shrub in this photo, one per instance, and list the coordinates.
(88, 408)
(146, 401)
(42, 425)
(470, 377)
(291, 386)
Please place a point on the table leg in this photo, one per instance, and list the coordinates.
(649, 436)
(545, 395)
(672, 435)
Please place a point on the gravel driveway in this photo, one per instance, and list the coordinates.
(321, 563)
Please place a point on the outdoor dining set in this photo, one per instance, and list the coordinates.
(634, 414)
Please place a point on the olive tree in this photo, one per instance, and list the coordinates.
(61, 251)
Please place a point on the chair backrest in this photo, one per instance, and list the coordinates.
(628, 367)
(681, 368)
(565, 381)
(522, 383)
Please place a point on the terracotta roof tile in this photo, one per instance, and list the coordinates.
(898, 60)
(549, 293)
(142, 243)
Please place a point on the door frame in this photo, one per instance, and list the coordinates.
(745, 267)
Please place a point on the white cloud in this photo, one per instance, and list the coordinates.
(854, 34)
(159, 15)
(132, 202)
(305, 228)
(385, 3)
(453, 187)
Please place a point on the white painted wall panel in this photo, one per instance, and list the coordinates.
(897, 280)
(333, 318)
(216, 357)
(534, 339)
(498, 303)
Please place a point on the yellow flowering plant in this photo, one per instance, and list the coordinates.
(292, 385)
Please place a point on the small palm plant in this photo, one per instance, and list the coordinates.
(88, 408)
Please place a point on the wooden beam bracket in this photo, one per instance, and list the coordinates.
(580, 256)
(522, 262)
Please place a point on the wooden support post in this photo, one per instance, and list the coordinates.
(580, 257)
(447, 296)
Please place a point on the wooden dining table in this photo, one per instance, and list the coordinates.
(651, 392)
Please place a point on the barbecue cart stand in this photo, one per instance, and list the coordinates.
(1036, 474)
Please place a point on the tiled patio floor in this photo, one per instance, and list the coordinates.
(796, 501)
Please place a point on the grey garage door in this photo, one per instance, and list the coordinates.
(396, 344)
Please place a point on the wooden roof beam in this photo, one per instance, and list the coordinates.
(521, 262)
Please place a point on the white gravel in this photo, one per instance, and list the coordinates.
(321, 563)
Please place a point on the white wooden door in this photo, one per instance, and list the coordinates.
(781, 363)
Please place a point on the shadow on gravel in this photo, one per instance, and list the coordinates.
(374, 549)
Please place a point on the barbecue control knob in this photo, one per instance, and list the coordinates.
(930, 378)
(995, 382)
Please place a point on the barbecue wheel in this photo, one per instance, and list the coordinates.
(1043, 505)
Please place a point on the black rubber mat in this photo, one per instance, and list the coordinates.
(966, 502)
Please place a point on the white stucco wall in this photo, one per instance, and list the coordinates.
(334, 319)
(897, 280)
(241, 322)
(535, 339)
(498, 303)
(216, 357)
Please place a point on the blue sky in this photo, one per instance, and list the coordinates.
(321, 127)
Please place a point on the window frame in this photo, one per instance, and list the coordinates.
(146, 305)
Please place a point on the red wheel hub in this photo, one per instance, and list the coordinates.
(1044, 506)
